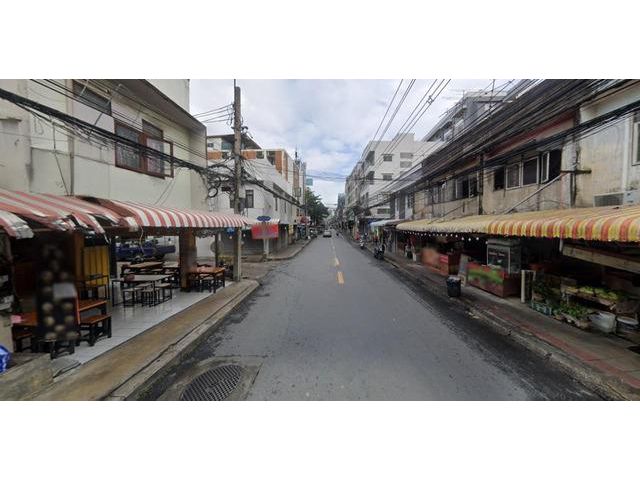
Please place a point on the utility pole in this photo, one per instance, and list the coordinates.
(237, 150)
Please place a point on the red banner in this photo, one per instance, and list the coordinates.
(264, 230)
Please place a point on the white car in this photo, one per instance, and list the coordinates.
(327, 233)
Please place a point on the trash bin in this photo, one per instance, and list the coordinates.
(453, 286)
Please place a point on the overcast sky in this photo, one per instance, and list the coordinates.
(328, 121)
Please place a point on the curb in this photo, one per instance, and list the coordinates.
(135, 386)
(608, 387)
(289, 257)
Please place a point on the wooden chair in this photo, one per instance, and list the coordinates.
(133, 293)
(97, 326)
(150, 295)
(20, 335)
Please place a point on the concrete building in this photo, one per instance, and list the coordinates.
(550, 183)
(44, 159)
(466, 111)
(273, 189)
(382, 162)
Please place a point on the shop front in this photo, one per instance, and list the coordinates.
(59, 291)
(578, 265)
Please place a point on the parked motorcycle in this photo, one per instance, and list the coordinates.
(361, 245)
(378, 252)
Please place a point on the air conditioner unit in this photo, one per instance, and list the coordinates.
(630, 197)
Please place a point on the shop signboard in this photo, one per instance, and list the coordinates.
(264, 230)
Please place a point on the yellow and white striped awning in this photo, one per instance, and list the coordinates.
(606, 224)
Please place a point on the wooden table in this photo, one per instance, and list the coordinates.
(137, 278)
(144, 266)
(204, 272)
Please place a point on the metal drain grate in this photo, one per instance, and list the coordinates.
(216, 384)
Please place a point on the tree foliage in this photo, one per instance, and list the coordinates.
(315, 208)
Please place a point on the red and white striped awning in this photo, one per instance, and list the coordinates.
(171, 217)
(55, 211)
(14, 225)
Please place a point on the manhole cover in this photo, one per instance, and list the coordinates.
(216, 384)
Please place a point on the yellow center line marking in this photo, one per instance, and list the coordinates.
(340, 278)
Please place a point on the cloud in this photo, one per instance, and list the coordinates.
(329, 122)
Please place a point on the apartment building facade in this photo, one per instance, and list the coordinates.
(272, 189)
(382, 163)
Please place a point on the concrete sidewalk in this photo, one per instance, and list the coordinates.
(603, 361)
(125, 371)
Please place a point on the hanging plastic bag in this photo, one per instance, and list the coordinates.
(5, 357)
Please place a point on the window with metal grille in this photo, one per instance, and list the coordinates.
(248, 198)
(259, 154)
(271, 157)
(498, 179)
(405, 164)
(411, 200)
(473, 186)
(387, 157)
(387, 176)
(406, 155)
(530, 171)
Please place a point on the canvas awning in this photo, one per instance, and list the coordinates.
(14, 225)
(58, 212)
(386, 223)
(146, 215)
(606, 224)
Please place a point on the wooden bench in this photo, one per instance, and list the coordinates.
(97, 326)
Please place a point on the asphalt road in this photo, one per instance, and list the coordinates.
(335, 324)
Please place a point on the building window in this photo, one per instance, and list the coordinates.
(382, 211)
(276, 203)
(154, 135)
(473, 186)
(89, 97)
(134, 158)
(370, 156)
(370, 178)
(530, 171)
(259, 154)
(411, 200)
(387, 157)
(126, 156)
(450, 190)
(249, 198)
(406, 155)
(209, 144)
(271, 157)
(498, 179)
(405, 164)
(513, 176)
(550, 165)
(228, 146)
(387, 176)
